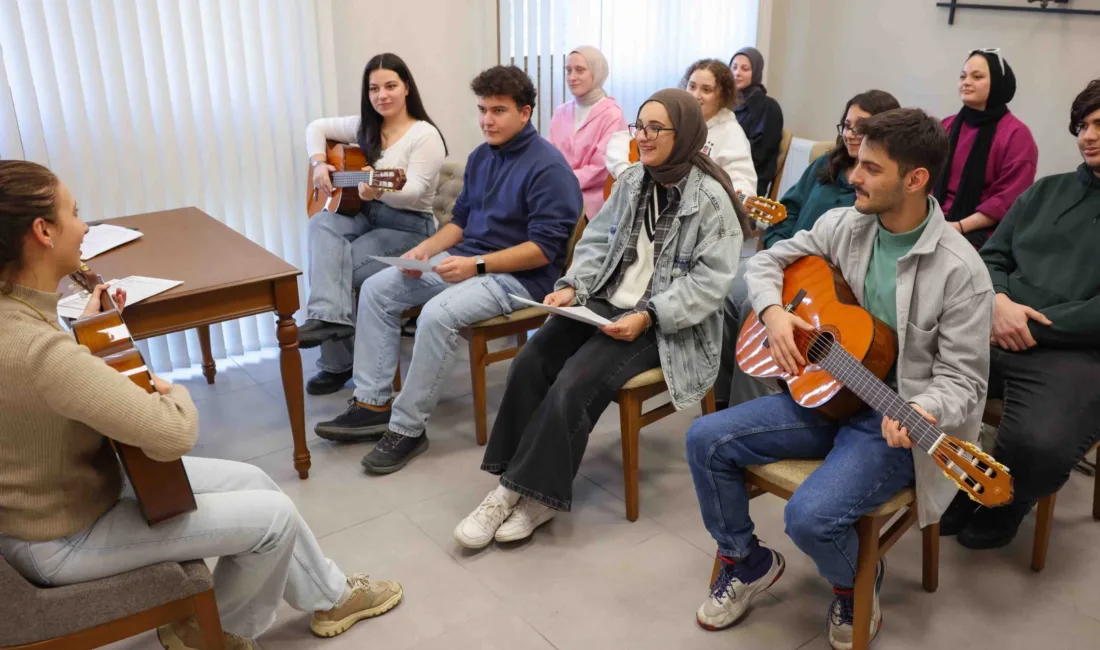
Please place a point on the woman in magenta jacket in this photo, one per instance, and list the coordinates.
(993, 157)
(581, 128)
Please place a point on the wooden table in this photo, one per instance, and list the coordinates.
(225, 276)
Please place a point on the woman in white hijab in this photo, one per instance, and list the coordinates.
(581, 128)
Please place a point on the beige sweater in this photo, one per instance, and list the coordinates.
(58, 473)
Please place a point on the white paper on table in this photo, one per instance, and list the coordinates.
(582, 314)
(137, 288)
(405, 263)
(103, 237)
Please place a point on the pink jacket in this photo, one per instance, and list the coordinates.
(1013, 160)
(586, 148)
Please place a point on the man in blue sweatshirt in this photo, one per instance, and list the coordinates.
(519, 204)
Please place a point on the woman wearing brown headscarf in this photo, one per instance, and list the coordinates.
(657, 262)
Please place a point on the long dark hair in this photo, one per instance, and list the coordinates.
(369, 136)
(28, 192)
(872, 101)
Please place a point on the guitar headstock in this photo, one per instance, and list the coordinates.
(764, 210)
(87, 280)
(984, 479)
(388, 180)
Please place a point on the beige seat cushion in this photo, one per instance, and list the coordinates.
(647, 378)
(448, 189)
(519, 314)
(789, 474)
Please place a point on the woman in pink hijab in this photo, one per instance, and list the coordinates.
(581, 128)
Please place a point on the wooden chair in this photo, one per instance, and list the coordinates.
(631, 399)
(1044, 510)
(517, 324)
(780, 162)
(784, 477)
(633, 157)
(94, 614)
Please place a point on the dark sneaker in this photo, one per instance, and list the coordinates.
(958, 514)
(314, 332)
(393, 452)
(842, 613)
(327, 383)
(737, 584)
(993, 527)
(357, 424)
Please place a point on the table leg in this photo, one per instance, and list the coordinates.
(290, 363)
(209, 369)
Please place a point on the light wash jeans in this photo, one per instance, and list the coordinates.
(266, 551)
(860, 473)
(447, 309)
(339, 261)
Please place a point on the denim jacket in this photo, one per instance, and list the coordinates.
(691, 278)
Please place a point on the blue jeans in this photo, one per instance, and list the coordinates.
(447, 309)
(860, 473)
(339, 261)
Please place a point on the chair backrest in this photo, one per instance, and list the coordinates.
(633, 157)
(784, 147)
(820, 148)
(447, 190)
(582, 223)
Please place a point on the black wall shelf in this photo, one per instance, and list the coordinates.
(1043, 8)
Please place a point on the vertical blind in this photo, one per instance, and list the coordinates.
(146, 105)
(648, 43)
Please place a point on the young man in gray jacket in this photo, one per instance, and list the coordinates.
(925, 281)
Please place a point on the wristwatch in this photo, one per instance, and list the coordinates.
(480, 266)
(313, 163)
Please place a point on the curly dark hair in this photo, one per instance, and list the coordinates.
(28, 192)
(1084, 105)
(505, 81)
(723, 79)
(911, 138)
(872, 101)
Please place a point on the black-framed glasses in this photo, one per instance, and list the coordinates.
(845, 126)
(651, 132)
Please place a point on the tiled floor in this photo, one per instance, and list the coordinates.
(591, 579)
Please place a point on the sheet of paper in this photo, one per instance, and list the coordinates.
(404, 263)
(583, 314)
(137, 288)
(103, 237)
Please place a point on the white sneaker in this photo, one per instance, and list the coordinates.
(730, 597)
(528, 515)
(478, 528)
(839, 621)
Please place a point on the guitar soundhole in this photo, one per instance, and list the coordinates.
(819, 347)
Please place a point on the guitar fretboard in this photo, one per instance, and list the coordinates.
(849, 371)
(353, 179)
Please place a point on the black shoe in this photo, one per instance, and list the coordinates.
(993, 527)
(326, 383)
(393, 452)
(958, 514)
(357, 424)
(314, 332)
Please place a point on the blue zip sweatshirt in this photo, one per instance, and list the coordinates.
(521, 191)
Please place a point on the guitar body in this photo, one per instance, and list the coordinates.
(830, 306)
(343, 200)
(163, 490)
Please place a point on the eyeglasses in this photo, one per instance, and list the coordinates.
(990, 50)
(651, 132)
(845, 126)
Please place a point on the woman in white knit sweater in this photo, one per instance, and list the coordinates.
(394, 131)
(711, 83)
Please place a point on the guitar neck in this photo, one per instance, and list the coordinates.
(352, 179)
(876, 394)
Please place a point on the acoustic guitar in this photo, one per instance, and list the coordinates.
(849, 353)
(761, 209)
(163, 490)
(349, 162)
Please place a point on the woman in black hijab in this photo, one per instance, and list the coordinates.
(993, 157)
(759, 115)
(656, 261)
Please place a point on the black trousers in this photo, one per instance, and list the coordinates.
(558, 386)
(1051, 416)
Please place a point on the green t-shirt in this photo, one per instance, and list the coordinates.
(880, 289)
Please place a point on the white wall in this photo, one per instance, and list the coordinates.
(445, 44)
(822, 53)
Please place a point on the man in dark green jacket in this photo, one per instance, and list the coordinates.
(1045, 360)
